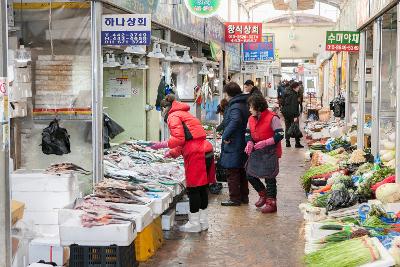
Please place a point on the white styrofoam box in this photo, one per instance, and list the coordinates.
(72, 232)
(142, 215)
(45, 201)
(182, 208)
(46, 249)
(386, 260)
(162, 203)
(49, 230)
(167, 220)
(42, 217)
(41, 182)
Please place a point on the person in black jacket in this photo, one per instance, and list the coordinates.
(249, 88)
(291, 111)
(233, 157)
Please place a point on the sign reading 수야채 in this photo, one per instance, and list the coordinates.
(243, 32)
(342, 41)
(127, 29)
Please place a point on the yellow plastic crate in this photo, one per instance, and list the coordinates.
(158, 235)
(145, 244)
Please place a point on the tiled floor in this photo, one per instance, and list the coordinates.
(242, 236)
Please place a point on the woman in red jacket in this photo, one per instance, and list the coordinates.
(264, 150)
(188, 139)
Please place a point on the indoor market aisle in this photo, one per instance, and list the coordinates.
(242, 236)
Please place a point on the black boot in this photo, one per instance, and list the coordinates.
(298, 145)
(230, 203)
(288, 143)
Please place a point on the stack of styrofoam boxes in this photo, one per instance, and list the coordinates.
(60, 80)
(43, 195)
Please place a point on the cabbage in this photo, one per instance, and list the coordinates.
(388, 156)
(388, 193)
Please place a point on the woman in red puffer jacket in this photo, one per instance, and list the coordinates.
(188, 138)
(264, 150)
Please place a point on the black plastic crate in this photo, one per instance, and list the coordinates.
(97, 256)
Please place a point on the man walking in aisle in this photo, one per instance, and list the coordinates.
(291, 111)
(249, 88)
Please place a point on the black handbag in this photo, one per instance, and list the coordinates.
(294, 131)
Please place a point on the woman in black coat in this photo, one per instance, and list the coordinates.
(233, 157)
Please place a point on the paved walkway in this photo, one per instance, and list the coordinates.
(242, 236)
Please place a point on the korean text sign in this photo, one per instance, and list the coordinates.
(264, 51)
(127, 29)
(243, 32)
(342, 41)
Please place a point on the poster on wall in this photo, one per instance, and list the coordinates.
(233, 56)
(203, 8)
(263, 51)
(342, 41)
(127, 29)
(243, 32)
(119, 87)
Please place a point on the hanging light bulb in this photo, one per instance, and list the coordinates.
(292, 27)
(136, 49)
(204, 70)
(186, 57)
(127, 63)
(174, 56)
(142, 64)
(156, 53)
(111, 62)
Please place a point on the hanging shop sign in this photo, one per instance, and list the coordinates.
(254, 68)
(127, 29)
(233, 57)
(260, 51)
(243, 32)
(173, 16)
(203, 8)
(342, 41)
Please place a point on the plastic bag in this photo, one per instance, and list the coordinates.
(294, 131)
(114, 128)
(55, 140)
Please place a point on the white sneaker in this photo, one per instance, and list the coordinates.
(193, 225)
(204, 220)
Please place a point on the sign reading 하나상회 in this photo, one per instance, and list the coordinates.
(129, 29)
(243, 32)
(342, 41)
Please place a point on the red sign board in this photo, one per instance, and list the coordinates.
(243, 32)
(347, 48)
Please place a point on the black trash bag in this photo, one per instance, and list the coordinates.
(110, 130)
(294, 131)
(342, 198)
(114, 128)
(55, 140)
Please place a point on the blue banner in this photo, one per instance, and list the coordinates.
(264, 51)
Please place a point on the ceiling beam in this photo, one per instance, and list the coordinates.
(254, 6)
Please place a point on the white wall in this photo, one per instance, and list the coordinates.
(307, 41)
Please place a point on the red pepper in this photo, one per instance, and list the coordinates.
(388, 180)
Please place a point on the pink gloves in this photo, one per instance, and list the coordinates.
(159, 145)
(264, 143)
(249, 148)
(167, 155)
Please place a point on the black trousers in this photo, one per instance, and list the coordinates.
(198, 198)
(270, 187)
(288, 123)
